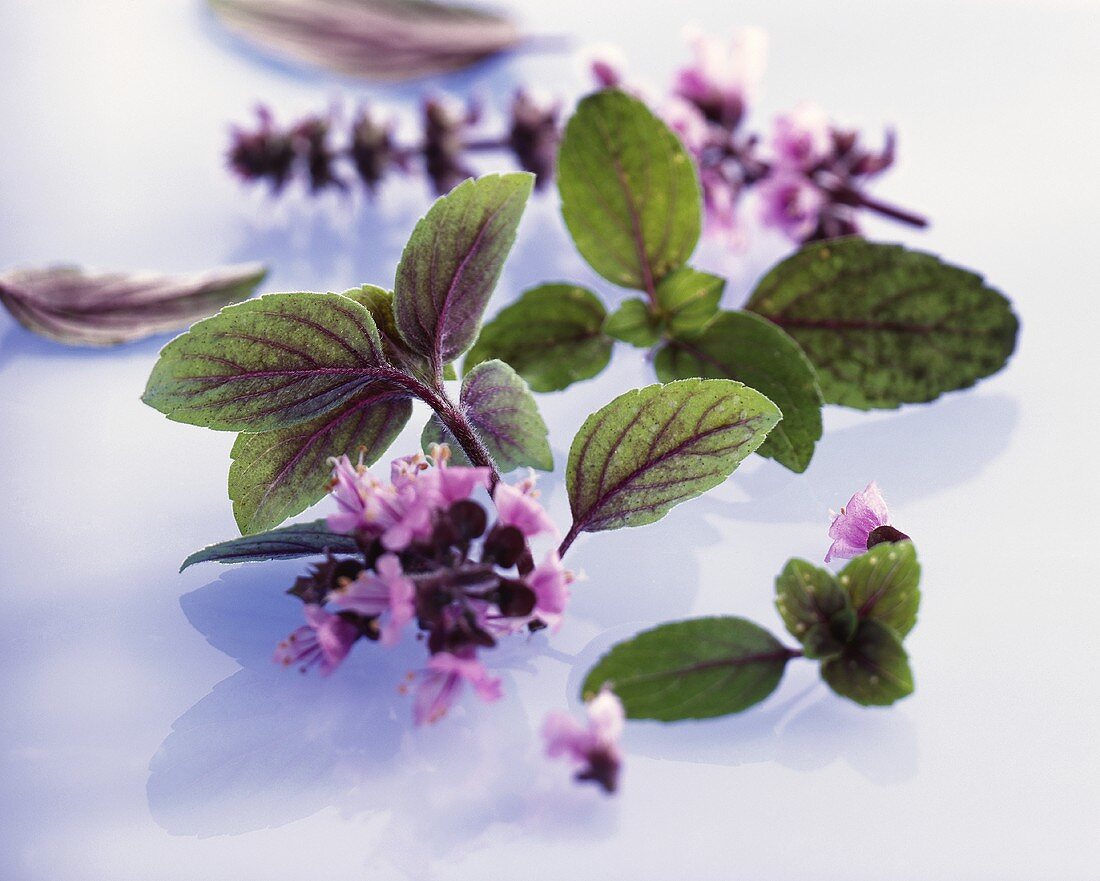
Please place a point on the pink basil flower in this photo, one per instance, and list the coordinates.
(441, 685)
(802, 138)
(518, 506)
(688, 122)
(724, 73)
(550, 583)
(790, 203)
(324, 641)
(595, 746)
(384, 592)
(851, 529)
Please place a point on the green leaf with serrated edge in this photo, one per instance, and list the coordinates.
(884, 325)
(689, 299)
(814, 608)
(634, 323)
(741, 346)
(629, 192)
(269, 363)
(503, 412)
(883, 585)
(277, 474)
(873, 669)
(452, 262)
(552, 336)
(657, 446)
(298, 540)
(691, 669)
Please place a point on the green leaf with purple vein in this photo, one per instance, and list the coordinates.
(693, 669)
(745, 347)
(657, 446)
(884, 325)
(452, 262)
(552, 336)
(270, 363)
(277, 474)
(629, 191)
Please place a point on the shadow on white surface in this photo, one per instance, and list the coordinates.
(916, 452)
(269, 746)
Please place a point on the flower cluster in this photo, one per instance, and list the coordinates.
(325, 155)
(861, 524)
(811, 176)
(429, 556)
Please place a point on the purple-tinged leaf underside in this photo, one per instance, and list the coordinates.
(84, 308)
(298, 540)
(384, 40)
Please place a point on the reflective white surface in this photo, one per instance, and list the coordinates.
(145, 733)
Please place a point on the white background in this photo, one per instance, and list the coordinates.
(146, 735)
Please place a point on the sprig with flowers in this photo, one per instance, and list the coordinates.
(319, 385)
(811, 175)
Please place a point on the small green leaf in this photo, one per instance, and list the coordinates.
(634, 323)
(552, 336)
(814, 608)
(269, 363)
(691, 669)
(277, 474)
(629, 192)
(742, 346)
(504, 414)
(873, 669)
(298, 540)
(883, 585)
(886, 326)
(655, 447)
(435, 432)
(452, 262)
(689, 299)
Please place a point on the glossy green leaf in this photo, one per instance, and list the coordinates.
(884, 325)
(452, 262)
(873, 670)
(741, 346)
(277, 474)
(883, 585)
(629, 192)
(655, 447)
(689, 299)
(815, 609)
(298, 540)
(269, 363)
(691, 669)
(634, 323)
(552, 336)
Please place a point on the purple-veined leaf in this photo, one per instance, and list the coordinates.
(85, 308)
(277, 474)
(298, 540)
(387, 40)
(452, 262)
(657, 446)
(270, 363)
